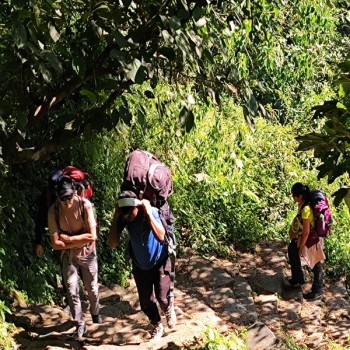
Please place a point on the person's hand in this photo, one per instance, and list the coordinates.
(64, 238)
(39, 250)
(147, 206)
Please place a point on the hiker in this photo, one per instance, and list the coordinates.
(301, 245)
(151, 264)
(72, 228)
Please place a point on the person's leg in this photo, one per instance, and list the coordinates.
(89, 270)
(295, 263)
(162, 283)
(317, 285)
(71, 278)
(163, 287)
(144, 284)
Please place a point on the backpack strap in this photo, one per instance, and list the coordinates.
(57, 215)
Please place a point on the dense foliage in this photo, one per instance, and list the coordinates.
(84, 83)
(66, 66)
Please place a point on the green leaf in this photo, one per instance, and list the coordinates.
(344, 88)
(53, 60)
(92, 96)
(120, 39)
(167, 37)
(125, 114)
(197, 13)
(189, 121)
(149, 94)
(141, 117)
(141, 75)
(250, 101)
(22, 121)
(55, 35)
(46, 74)
(135, 66)
(167, 52)
(201, 22)
(175, 23)
(184, 4)
(19, 34)
(78, 66)
(183, 115)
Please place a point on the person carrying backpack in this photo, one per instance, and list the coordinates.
(83, 186)
(305, 243)
(72, 228)
(151, 263)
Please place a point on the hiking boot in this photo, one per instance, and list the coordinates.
(96, 318)
(80, 332)
(157, 332)
(312, 296)
(170, 316)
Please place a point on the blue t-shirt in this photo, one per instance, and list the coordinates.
(147, 250)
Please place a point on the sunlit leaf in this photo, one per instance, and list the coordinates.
(135, 66)
(55, 35)
(201, 22)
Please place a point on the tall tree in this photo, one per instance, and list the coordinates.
(67, 65)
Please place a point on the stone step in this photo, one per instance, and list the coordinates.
(124, 325)
(210, 292)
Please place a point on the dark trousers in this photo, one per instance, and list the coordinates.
(152, 285)
(317, 285)
(295, 262)
(297, 271)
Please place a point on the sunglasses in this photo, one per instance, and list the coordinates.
(66, 198)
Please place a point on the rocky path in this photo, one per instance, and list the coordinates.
(226, 295)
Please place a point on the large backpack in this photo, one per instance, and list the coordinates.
(148, 177)
(82, 180)
(322, 213)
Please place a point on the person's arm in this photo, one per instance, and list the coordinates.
(157, 227)
(305, 234)
(58, 244)
(90, 235)
(82, 238)
(116, 230)
(294, 228)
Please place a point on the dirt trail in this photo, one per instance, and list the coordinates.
(249, 292)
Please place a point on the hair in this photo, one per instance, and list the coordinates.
(299, 189)
(64, 183)
(126, 194)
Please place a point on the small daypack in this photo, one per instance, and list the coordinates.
(322, 213)
(82, 180)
